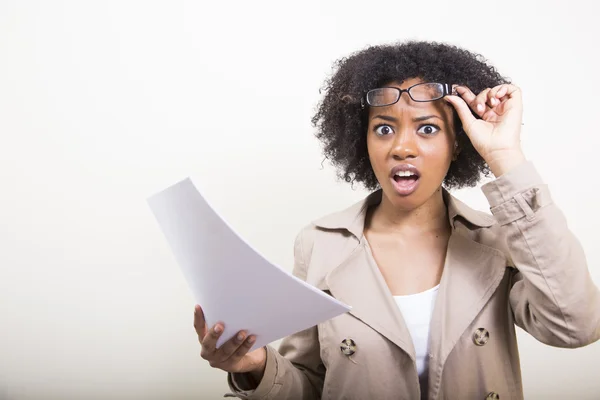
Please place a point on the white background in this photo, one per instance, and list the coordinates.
(103, 103)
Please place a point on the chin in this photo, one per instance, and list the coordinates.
(403, 202)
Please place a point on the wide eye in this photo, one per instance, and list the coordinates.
(383, 130)
(429, 129)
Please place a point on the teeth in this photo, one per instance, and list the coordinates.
(404, 173)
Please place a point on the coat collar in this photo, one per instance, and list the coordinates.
(353, 218)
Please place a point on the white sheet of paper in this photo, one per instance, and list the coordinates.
(230, 280)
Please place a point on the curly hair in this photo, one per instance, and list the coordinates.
(342, 123)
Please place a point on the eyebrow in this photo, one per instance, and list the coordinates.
(417, 119)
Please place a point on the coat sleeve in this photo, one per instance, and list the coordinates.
(552, 296)
(296, 370)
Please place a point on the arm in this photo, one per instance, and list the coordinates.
(552, 296)
(296, 370)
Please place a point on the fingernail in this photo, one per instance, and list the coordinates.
(240, 336)
(252, 339)
(218, 329)
(480, 107)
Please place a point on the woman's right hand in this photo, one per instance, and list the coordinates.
(233, 355)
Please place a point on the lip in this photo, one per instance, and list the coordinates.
(405, 189)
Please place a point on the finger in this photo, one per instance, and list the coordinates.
(465, 93)
(463, 110)
(502, 91)
(506, 89)
(512, 91)
(199, 322)
(494, 96)
(230, 347)
(504, 94)
(209, 342)
(243, 349)
(481, 102)
(474, 102)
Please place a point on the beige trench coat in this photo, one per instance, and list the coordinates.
(521, 265)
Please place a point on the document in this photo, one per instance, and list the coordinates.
(230, 280)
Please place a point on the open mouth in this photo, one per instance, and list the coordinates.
(406, 179)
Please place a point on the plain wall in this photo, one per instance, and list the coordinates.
(103, 103)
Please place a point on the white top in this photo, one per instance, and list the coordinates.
(417, 310)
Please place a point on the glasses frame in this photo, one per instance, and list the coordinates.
(446, 89)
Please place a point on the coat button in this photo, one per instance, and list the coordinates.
(492, 396)
(348, 347)
(481, 336)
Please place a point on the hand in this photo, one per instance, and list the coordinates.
(497, 135)
(233, 355)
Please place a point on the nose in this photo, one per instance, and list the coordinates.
(404, 146)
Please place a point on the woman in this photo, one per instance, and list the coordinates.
(436, 287)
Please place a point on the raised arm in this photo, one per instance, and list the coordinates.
(553, 296)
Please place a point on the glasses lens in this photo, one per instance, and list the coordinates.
(427, 92)
(382, 97)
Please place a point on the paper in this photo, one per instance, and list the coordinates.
(230, 280)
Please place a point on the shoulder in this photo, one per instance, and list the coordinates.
(325, 242)
(304, 241)
(480, 226)
(346, 221)
(314, 237)
(487, 232)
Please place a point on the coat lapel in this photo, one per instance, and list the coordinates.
(472, 272)
(358, 282)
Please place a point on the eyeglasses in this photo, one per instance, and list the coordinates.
(421, 92)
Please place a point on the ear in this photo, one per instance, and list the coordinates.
(456, 151)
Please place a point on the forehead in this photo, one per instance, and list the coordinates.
(405, 104)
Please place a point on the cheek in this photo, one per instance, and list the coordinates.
(438, 152)
(377, 154)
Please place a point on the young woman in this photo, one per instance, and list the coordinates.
(436, 287)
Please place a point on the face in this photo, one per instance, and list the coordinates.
(411, 146)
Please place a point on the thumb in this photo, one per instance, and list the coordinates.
(463, 110)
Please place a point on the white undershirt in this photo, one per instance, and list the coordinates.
(416, 310)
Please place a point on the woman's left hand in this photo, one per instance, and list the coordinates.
(497, 135)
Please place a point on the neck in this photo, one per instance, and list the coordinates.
(432, 216)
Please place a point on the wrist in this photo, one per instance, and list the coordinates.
(258, 372)
(502, 162)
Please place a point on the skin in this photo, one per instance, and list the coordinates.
(394, 136)
(413, 228)
(416, 223)
(233, 355)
